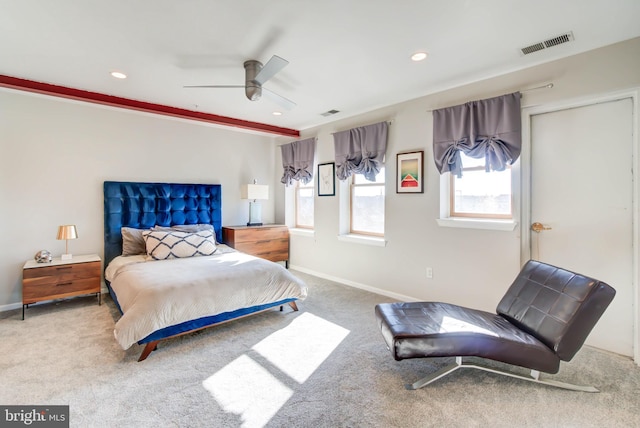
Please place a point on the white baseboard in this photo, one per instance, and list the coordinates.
(396, 296)
(10, 307)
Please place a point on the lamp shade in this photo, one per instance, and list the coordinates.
(67, 231)
(254, 191)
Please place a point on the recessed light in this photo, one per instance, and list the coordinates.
(118, 75)
(418, 56)
(277, 113)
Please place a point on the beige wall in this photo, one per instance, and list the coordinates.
(470, 267)
(55, 155)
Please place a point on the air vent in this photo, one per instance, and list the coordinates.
(329, 113)
(554, 41)
(533, 48)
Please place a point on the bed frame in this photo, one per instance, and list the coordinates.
(144, 205)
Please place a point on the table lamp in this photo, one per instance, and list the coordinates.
(66, 232)
(255, 191)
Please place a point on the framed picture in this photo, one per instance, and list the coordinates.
(327, 179)
(410, 172)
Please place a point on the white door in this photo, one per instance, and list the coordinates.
(581, 189)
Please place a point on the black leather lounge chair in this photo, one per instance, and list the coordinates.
(544, 318)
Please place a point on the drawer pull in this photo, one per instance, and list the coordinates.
(64, 283)
(63, 268)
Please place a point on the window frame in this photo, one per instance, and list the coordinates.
(296, 195)
(352, 185)
(484, 216)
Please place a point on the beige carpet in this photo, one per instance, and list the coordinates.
(324, 366)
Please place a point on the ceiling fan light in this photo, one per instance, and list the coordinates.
(419, 56)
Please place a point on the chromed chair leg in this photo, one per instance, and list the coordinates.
(535, 377)
(435, 375)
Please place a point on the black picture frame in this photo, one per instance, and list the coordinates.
(410, 172)
(327, 179)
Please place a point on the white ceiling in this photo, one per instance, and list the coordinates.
(348, 55)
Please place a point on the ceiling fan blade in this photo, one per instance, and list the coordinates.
(278, 99)
(273, 66)
(214, 86)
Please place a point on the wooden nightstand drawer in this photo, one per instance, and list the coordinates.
(34, 292)
(270, 242)
(64, 273)
(60, 279)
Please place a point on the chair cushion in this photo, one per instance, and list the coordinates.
(433, 329)
(557, 306)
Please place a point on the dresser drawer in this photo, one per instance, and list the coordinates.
(260, 234)
(268, 242)
(274, 250)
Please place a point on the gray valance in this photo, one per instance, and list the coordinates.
(361, 150)
(489, 129)
(297, 161)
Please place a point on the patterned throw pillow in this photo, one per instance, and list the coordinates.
(184, 227)
(162, 245)
(191, 228)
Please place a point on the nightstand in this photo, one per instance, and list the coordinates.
(270, 241)
(60, 279)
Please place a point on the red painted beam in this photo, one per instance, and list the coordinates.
(110, 100)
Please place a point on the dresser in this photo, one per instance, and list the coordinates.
(269, 241)
(60, 279)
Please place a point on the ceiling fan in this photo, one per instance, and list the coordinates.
(255, 76)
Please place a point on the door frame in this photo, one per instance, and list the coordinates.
(525, 185)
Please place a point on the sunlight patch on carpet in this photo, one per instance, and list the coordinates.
(247, 389)
(301, 347)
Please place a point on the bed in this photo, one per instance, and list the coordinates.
(168, 271)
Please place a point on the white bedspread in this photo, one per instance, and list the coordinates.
(158, 294)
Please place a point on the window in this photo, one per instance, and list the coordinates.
(367, 205)
(480, 194)
(304, 204)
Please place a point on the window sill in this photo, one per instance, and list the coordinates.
(469, 223)
(362, 239)
(309, 233)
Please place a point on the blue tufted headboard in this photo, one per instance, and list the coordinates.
(144, 205)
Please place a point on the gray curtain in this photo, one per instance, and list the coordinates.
(489, 129)
(297, 161)
(361, 150)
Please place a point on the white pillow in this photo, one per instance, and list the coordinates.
(132, 241)
(162, 245)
